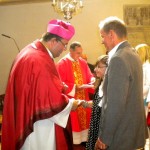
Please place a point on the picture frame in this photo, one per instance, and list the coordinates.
(137, 15)
(137, 19)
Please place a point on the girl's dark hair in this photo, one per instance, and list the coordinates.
(104, 60)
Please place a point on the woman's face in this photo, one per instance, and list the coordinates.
(100, 70)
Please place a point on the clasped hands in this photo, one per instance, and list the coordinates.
(84, 103)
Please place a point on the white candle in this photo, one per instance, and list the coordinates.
(54, 1)
(81, 3)
(61, 6)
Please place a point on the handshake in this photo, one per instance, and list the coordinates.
(84, 103)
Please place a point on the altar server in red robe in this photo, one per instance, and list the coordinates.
(36, 111)
(75, 73)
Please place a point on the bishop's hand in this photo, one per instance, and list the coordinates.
(76, 104)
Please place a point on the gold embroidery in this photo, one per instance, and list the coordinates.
(79, 95)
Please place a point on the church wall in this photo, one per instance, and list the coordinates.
(26, 23)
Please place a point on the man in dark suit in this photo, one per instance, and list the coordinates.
(123, 125)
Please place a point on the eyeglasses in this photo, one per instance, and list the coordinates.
(101, 67)
(65, 45)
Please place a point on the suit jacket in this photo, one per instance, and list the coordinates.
(123, 116)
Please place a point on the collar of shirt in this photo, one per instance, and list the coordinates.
(49, 52)
(113, 51)
(100, 91)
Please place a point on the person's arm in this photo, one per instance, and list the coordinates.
(62, 117)
(146, 80)
(148, 99)
(66, 75)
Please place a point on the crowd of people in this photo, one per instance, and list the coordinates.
(47, 105)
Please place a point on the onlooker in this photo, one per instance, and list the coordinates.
(100, 68)
(36, 111)
(75, 73)
(123, 121)
(144, 53)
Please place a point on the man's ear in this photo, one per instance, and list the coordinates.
(111, 33)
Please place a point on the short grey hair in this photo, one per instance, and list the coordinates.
(115, 24)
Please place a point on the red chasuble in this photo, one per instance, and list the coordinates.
(34, 92)
(76, 72)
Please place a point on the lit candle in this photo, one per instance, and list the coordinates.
(54, 1)
(68, 8)
(81, 3)
(61, 6)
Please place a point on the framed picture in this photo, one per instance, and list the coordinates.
(10, 2)
(137, 19)
(137, 15)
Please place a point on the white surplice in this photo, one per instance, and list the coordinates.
(43, 136)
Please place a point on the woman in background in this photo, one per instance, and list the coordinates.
(143, 51)
(100, 68)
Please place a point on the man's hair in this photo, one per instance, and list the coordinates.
(74, 45)
(48, 36)
(115, 24)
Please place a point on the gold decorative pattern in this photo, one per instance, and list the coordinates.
(79, 94)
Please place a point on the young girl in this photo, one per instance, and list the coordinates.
(100, 68)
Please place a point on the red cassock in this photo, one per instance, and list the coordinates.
(72, 73)
(34, 92)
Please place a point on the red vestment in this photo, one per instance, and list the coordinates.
(34, 92)
(72, 73)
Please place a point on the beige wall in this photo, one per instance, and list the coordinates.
(27, 22)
